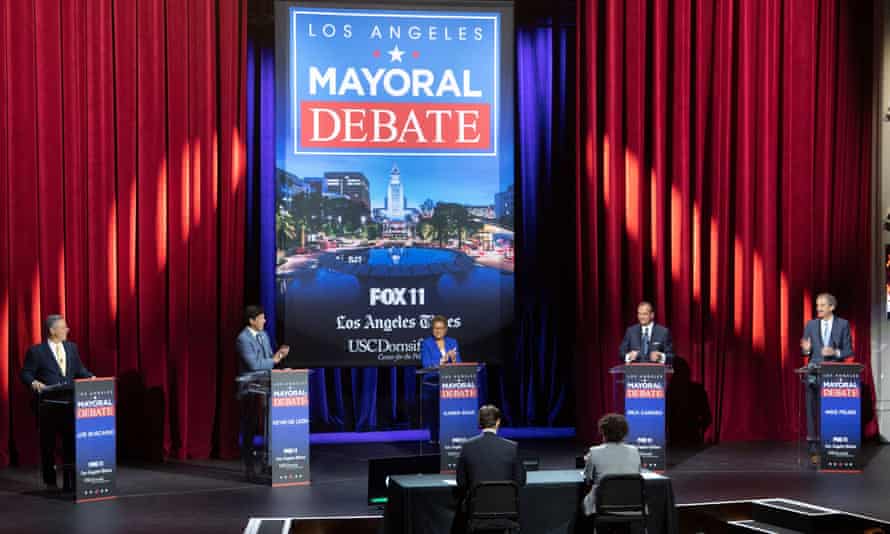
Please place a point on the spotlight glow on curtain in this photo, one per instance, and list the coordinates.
(122, 207)
(724, 174)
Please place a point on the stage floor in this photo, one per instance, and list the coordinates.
(211, 496)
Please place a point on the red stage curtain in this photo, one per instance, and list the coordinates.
(723, 173)
(122, 207)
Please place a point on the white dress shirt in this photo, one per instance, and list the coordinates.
(825, 326)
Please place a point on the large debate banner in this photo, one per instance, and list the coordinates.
(289, 427)
(95, 439)
(394, 179)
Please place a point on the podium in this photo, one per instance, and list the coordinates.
(458, 410)
(840, 413)
(644, 408)
(282, 398)
(90, 405)
(427, 380)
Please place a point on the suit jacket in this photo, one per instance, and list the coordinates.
(633, 340)
(253, 354)
(40, 364)
(429, 351)
(840, 339)
(488, 458)
(607, 459)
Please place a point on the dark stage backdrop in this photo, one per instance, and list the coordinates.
(533, 386)
(122, 207)
(723, 173)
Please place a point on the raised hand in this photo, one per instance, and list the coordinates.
(806, 345)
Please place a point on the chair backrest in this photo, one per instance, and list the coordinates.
(621, 494)
(493, 505)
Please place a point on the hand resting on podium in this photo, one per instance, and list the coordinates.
(634, 357)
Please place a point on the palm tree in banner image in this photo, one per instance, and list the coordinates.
(468, 229)
(285, 228)
(301, 211)
(450, 219)
(287, 196)
(439, 222)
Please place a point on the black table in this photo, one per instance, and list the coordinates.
(549, 503)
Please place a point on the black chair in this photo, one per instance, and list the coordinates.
(620, 501)
(493, 507)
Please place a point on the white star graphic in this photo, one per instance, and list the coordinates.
(395, 55)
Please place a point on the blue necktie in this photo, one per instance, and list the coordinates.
(259, 339)
(826, 337)
(645, 350)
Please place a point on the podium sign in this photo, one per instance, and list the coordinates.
(289, 427)
(95, 449)
(644, 408)
(458, 410)
(839, 410)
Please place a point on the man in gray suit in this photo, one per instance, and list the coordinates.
(825, 339)
(613, 457)
(254, 348)
(254, 354)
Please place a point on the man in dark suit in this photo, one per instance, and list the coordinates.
(826, 338)
(55, 362)
(487, 457)
(646, 341)
(254, 354)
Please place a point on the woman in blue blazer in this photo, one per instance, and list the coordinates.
(435, 350)
(438, 348)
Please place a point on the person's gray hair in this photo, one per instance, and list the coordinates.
(829, 297)
(51, 321)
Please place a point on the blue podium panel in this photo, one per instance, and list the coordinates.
(95, 440)
(840, 395)
(458, 410)
(644, 408)
(289, 427)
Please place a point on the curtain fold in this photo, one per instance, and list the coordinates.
(122, 206)
(538, 382)
(724, 174)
